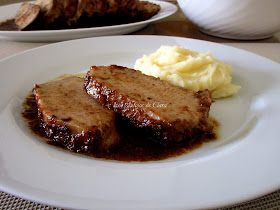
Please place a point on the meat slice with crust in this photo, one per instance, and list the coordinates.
(74, 119)
(168, 114)
(50, 10)
(27, 15)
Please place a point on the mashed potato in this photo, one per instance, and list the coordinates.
(189, 69)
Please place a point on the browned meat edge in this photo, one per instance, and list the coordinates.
(163, 132)
(86, 142)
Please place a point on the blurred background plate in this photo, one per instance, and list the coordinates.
(9, 12)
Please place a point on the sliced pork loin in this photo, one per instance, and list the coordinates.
(69, 9)
(167, 114)
(50, 10)
(60, 14)
(141, 10)
(55, 13)
(72, 118)
(27, 15)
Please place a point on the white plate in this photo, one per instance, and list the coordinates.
(9, 12)
(243, 164)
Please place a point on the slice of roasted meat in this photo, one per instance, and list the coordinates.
(147, 9)
(86, 9)
(72, 118)
(61, 14)
(27, 15)
(167, 114)
(50, 10)
(140, 10)
(69, 9)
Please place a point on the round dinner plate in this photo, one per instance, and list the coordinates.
(242, 164)
(9, 12)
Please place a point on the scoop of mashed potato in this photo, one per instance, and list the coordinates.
(189, 69)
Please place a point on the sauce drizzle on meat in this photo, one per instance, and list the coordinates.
(133, 146)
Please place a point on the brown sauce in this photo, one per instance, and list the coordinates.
(8, 25)
(133, 146)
